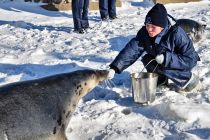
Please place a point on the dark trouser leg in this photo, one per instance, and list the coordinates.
(179, 77)
(76, 12)
(103, 7)
(84, 21)
(112, 8)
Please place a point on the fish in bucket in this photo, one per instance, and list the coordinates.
(144, 86)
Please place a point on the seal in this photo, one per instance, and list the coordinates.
(41, 109)
(193, 28)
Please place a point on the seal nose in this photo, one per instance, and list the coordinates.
(102, 74)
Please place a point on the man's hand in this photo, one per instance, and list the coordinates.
(111, 74)
(159, 58)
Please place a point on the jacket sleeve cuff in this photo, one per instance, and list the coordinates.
(115, 68)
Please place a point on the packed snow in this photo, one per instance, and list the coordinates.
(36, 43)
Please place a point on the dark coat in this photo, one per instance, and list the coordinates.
(180, 55)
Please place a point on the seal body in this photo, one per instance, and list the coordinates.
(41, 109)
(193, 28)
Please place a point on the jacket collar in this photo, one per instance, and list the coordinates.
(161, 34)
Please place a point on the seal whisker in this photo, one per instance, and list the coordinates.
(112, 83)
(105, 83)
(108, 84)
(94, 94)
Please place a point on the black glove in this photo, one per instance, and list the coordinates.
(160, 49)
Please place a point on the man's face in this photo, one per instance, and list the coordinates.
(153, 30)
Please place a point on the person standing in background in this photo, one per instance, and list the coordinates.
(107, 9)
(80, 15)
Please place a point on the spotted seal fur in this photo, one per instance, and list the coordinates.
(41, 109)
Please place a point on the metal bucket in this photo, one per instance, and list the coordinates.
(144, 86)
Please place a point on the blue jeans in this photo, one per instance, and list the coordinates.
(107, 8)
(80, 14)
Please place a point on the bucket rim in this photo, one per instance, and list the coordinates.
(142, 75)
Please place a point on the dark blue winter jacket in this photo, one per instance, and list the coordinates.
(173, 42)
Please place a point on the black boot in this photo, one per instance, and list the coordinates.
(162, 80)
(79, 31)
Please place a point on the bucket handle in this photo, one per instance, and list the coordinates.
(148, 64)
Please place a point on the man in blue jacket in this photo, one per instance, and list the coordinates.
(168, 45)
(80, 15)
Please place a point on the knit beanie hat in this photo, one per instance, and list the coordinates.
(157, 16)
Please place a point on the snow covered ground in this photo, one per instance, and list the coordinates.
(36, 43)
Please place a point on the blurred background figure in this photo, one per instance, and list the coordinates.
(80, 15)
(107, 9)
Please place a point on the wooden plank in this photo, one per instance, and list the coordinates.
(174, 1)
(67, 6)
